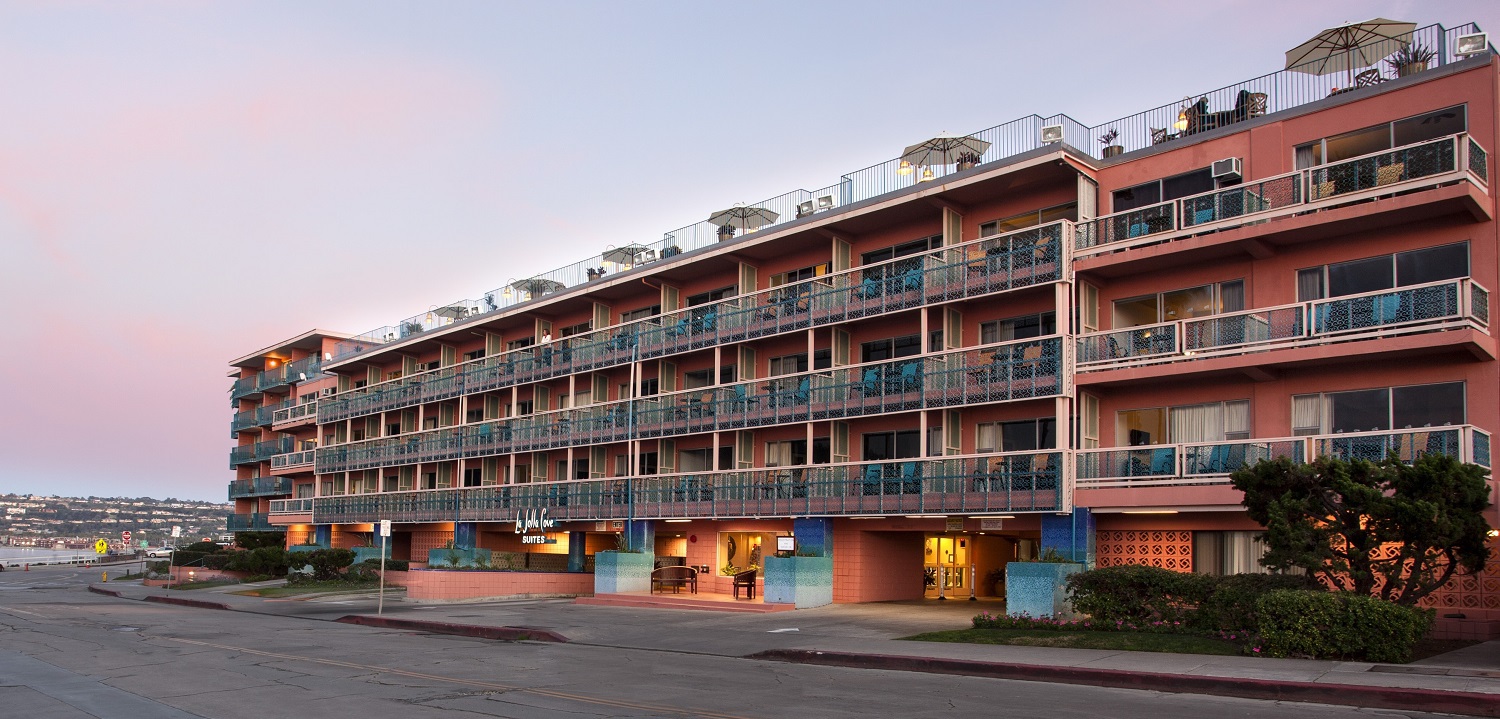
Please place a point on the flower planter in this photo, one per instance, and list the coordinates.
(616, 572)
(1410, 68)
(441, 558)
(1112, 150)
(801, 581)
(363, 553)
(1039, 589)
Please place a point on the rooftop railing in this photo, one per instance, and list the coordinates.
(992, 483)
(1267, 94)
(989, 265)
(1428, 307)
(1009, 371)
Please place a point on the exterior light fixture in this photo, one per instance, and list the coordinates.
(927, 175)
(905, 168)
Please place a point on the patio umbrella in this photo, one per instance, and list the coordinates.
(944, 150)
(743, 218)
(623, 255)
(537, 286)
(453, 311)
(1351, 45)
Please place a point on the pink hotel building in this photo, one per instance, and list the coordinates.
(933, 367)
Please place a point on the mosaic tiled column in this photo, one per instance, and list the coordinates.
(465, 534)
(577, 551)
(323, 535)
(1070, 535)
(805, 580)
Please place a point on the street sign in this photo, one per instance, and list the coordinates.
(101, 546)
(176, 531)
(385, 527)
(125, 536)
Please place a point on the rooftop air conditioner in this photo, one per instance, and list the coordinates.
(1467, 45)
(330, 391)
(1229, 168)
(1052, 133)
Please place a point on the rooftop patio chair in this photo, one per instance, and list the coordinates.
(1368, 78)
(1257, 104)
(1159, 135)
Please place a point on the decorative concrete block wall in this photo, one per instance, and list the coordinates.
(1039, 589)
(801, 581)
(616, 572)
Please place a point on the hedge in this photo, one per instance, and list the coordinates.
(1322, 625)
(1137, 594)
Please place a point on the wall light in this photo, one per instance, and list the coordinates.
(927, 175)
(904, 168)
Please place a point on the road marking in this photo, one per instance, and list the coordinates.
(466, 682)
(23, 611)
(782, 631)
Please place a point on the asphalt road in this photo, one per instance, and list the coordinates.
(68, 654)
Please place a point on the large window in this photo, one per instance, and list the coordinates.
(1209, 422)
(903, 249)
(640, 314)
(1368, 140)
(1017, 436)
(1384, 272)
(1383, 408)
(1180, 304)
(1024, 220)
(1018, 328)
(712, 296)
(1167, 188)
(806, 273)
(904, 444)
(890, 348)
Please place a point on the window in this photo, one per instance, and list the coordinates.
(712, 296)
(1024, 220)
(697, 378)
(903, 249)
(1017, 436)
(1368, 140)
(476, 354)
(360, 383)
(789, 364)
(474, 415)
(806, 273)
(640, 314)
(890, 348)
(786, 454)
(577, 329)
(524, 407)
(1167, 188)
(904, 444)
(520, 343)
(1209, 422)
(473, 476)
(1180, 304)
(1367, 410)
(1384, 272)
(1018, 328)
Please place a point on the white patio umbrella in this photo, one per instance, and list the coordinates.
(623, 255)
(743, 218)
(536, 286)
(1348, 46)
(944, 150)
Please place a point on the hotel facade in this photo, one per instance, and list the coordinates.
(942, 364)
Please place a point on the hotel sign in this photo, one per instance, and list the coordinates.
(534, 520)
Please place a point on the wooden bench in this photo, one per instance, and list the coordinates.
(745, 580)
(674, 577)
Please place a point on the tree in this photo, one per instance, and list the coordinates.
(1340, 520)
(256, 540)
(328, 564)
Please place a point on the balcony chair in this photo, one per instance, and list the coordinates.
(681, 328)
(1161, 461)
(708, 322)
(911, 280)
(743, 399)
(869, 288)
(871, 481)
(911, 478)
(870, 386)
(911, 376)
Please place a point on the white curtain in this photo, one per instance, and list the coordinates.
(1237, 419)
(989, 437)
(1198, 423)
(1307, 414)
(778, 454)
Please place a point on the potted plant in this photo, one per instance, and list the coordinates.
(967, 160)
(725, 232)
(1410, 59)
(1108, 141)
(410, 328)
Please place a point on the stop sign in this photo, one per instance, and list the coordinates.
(125, 536)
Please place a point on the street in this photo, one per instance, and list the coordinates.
(66, 653)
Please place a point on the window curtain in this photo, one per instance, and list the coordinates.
(1198, 423)
(1237, 419)
(1310, 284)
(989, 437)
(1307, 414)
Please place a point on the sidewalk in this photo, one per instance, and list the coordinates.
(862, 635)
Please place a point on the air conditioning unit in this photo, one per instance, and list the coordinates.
(1467, 45)
(1052, 133)
(1229, 168)
(330, 391)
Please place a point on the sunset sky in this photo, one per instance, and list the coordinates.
(182, 183)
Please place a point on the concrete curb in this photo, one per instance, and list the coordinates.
(463, 630)
(199, 603)
(1427, 700)
(106, 592)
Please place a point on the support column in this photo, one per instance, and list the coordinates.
(804, 580)
(577, 555)
(1071, 535)
(323, 535)
(640, 535)
(465, 534)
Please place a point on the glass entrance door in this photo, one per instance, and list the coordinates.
(945, 563)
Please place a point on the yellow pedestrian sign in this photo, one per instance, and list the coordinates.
(101, 546)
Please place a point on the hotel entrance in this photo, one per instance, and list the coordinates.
(945, 565)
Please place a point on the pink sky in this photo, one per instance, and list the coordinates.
(182, 183)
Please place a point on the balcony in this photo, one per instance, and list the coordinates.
(243, 387)
(292, 460)
(288, 414)
(1425, 165)
(1431, 307)
(1004, 372)
(258, 417)
(1210, 463)
(1010, 482)
(260, 487)
(991, 265)
(292, 506)
(256, 522)
(260, 451)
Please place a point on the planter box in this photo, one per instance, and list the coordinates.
(616, 572)
(298, 548)
(1039, 589)
(440, 558)
(802, 581)
(363, 553)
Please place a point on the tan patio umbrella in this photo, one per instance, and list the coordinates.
(1348, 46)
(743, 218)
(944, 150)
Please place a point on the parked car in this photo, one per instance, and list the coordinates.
(156, 552)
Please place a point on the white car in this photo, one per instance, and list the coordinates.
(155, 552)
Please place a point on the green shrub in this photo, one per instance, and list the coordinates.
(217, 561)
(1322, 625)
(161, 567)
(392, 565)
(255, 540)
(328, 564)
(1231, 604)
(1136, 594)
(201, 548)
(262, 560)
(184, 558)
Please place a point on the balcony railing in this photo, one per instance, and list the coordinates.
(1429, 307)
(1426, 163)
(256, 522)
(1207, 463)
(985, 266)
(292, 506)
(1010, 482)
(243, 387)
(260, 451)
(292, 459)
(288, 412)
(259, 486)
(1009, 371)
